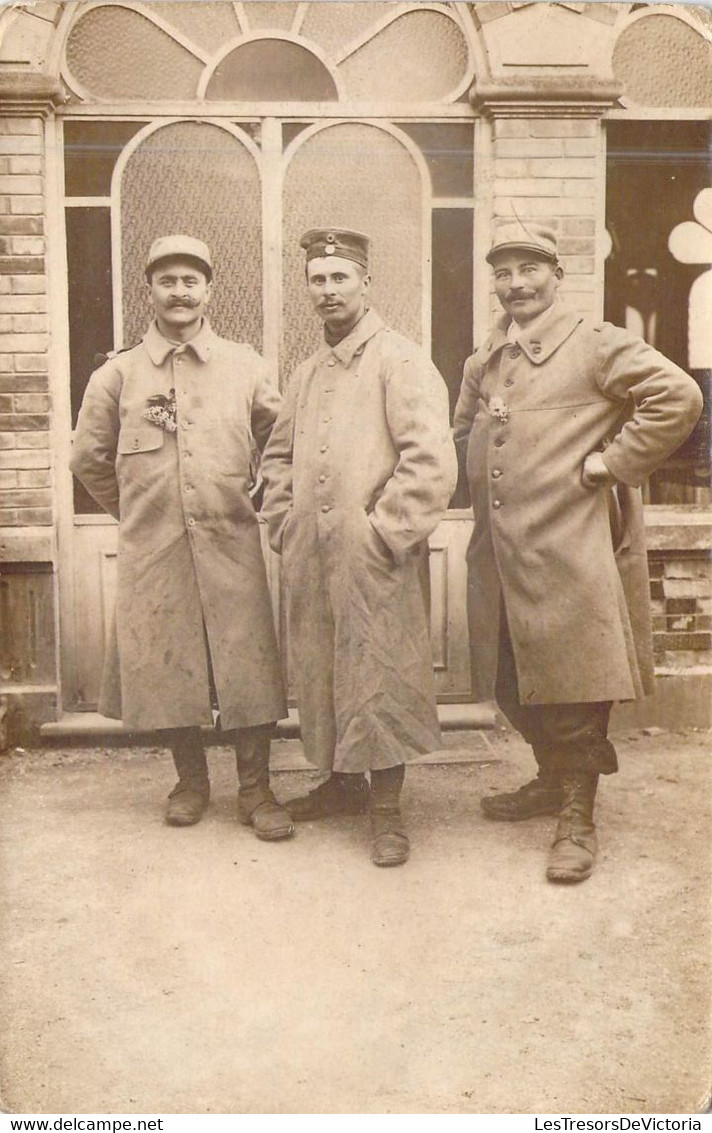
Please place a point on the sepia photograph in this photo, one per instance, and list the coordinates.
(355, 560)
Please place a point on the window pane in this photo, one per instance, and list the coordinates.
(196, 178)
(331, 180)
(91, 328)
(271, 70)
(448, 150)
(205, 23)
(116, 53)
(646, 288)
(420, 56)
(452, 294)
(91, 150)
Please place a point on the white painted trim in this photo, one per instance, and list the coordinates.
(664, 113)
(402, 11)
(86, 202)
(599, 272)
(453, 202)
(129, 149)
(426, 200)
(374, 29)
(483, 189)
(143, 10)
(286, 111)
(60, 393)
(241, 16)
(272, 214)
(283, 37)
(299, 14)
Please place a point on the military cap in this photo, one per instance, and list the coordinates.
(529, 237)
(179, 246)
(343, 242)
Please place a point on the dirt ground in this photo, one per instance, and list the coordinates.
(155, 970)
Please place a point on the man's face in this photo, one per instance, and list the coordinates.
(525, 283)
(337, 289)
(179, 293)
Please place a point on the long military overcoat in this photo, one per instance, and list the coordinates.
(358, 472)
(569, 561)
(190, 565)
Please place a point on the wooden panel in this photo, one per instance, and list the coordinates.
(448, 606)
(27, 653)
(94, 596)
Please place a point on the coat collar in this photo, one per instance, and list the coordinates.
(539, 343)
(159, 347)
(354, 342)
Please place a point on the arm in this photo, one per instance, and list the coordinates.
(94, 450)
(666, 404)
(466, 408)
(276, 468)
(416, 496)
(266, 402)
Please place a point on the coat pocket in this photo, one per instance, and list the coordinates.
(140, 440)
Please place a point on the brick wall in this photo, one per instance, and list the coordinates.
(25, 463)
(546, 170)
(681, 602)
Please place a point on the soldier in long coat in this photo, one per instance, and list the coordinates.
(163, 443)
(560, 420)
(358, 472)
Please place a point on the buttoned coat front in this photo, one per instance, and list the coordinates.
(568, 560)
(358, 472)
(190, 565)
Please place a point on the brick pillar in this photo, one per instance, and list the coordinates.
(28, 671)
(548, 166)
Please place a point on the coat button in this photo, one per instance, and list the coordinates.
(514, 352)
(509, 381)
(323, 448)
(496, 504)
(498, 442)
(496, 473)
(191, 522)
(322, 479)
(331, 362)
(325, 507)
(185, 424)
(136, 442)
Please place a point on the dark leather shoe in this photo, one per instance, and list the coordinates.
(538, 797)
(186, 804)
(390, 841)
(334, 797)
(573, 852)
(270, 821)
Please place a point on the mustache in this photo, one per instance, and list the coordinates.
(182, 302)
(520, 295)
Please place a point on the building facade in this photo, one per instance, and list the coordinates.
(246, 123)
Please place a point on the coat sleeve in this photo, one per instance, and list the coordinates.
(277, 467)
(266, 402)
(466, 408)
(416, 496)
(665, 403)
(94, 449)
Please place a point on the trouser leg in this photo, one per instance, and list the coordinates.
(190, 796)
(390, 841)
(188, 750)
(256, 805)
(543, 794)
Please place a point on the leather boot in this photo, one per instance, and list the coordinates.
(542, 795)
(340, 794)
(574, 847)
(191, 794)
(390, 841)
(256, 805)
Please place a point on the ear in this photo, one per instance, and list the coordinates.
(559, 272)
(366, 281)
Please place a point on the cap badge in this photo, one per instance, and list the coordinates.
(329, 250)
